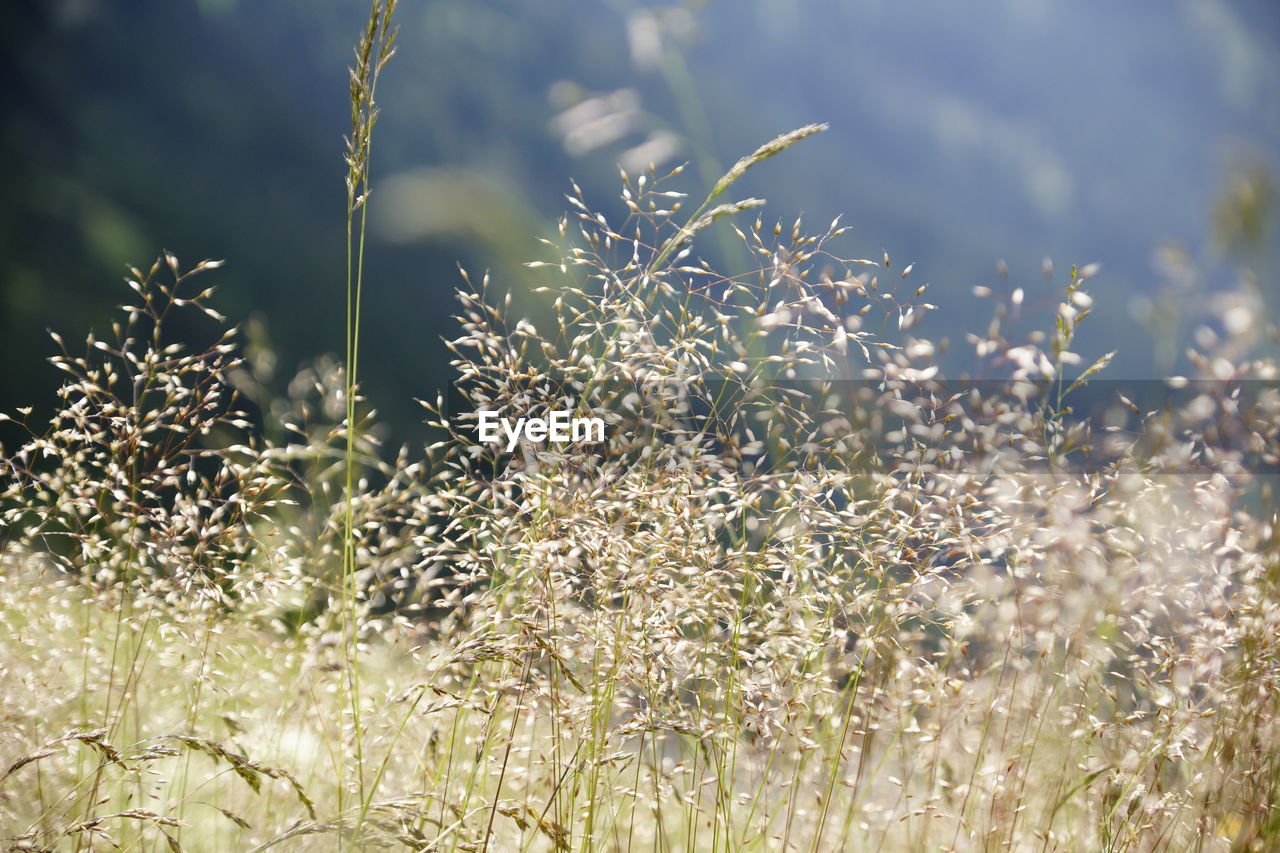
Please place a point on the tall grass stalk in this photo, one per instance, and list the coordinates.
(373, 52)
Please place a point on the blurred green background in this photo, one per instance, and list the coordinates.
(1143, 136)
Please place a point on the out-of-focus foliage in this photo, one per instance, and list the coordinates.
(968, 134)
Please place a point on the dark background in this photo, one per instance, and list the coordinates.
(961, 134)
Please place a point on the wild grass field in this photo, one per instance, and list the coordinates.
(808, 595)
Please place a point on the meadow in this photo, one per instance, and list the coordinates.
(808, 594)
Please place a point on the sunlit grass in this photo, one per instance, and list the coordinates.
(805, 596)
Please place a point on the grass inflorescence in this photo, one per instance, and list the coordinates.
(808, 594)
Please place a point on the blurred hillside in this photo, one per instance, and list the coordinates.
(962, 134)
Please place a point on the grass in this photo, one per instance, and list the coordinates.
(808, 594)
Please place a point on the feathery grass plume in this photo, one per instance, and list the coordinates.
(698, 221)
(789, 589)
(771, 148)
